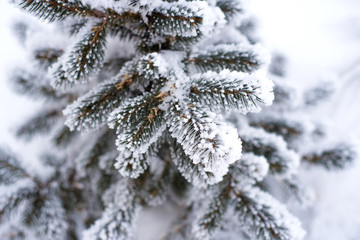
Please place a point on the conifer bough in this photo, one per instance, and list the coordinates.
(158, 79)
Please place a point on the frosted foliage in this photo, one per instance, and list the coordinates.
(82, 159)
(198, 230)
(199, 233)
(167, 111)
(244, 46)
(206, 140)
(47, 218)
(215, 149)
(257, 211)
(194, 173)
(210, 15)
(288, 159)
(106, 160)
(88, 53)
(13, 190)
(200, 177)
(130, 165)
(250, 169)
(213, 145)
(116, 222)
(157, 185)
(128, 140)
(242, 56)
(10, 169)
(97, 103)
(252, 89)
(119, 194)
(51, 223)
(296, 190)
(137, 136)
(125, 143)
(170, 66)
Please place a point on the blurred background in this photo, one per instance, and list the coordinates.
(320, 42)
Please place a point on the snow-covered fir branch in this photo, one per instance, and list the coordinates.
(172, 92)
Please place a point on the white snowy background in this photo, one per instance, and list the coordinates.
(321, 40)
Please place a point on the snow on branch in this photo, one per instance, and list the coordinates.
(229, 7)
(11, 201)
(289, 130)
(231, 90)
(211, 218)
(10, 168)
(116, 222)
(205, 139)
(282, 160)
(45, 211)
(86, 57)
(194, 173)
(53, 10)
(250, 169)
(241, 57)
(336, 157)
(92, 109)
(140, 123)
(263, 217)
(131, 165)
(294, 189)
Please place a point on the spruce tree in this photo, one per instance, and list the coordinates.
(161, 92)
